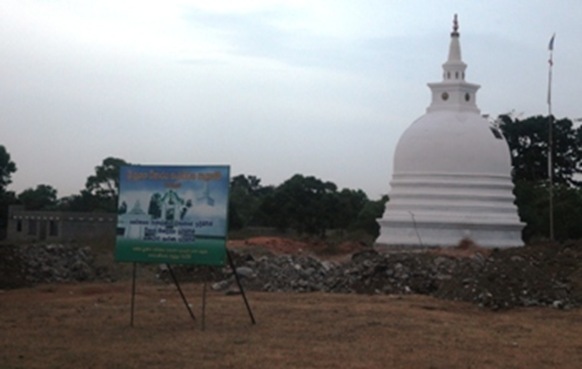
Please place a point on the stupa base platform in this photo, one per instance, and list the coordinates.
(440, 233)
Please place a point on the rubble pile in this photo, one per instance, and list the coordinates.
(26, 265)
(546, 275)
(540, 275)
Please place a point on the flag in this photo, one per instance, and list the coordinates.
(551, 45)
(551, 48)
(551, 62)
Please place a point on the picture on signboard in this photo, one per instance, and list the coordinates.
(173, 214)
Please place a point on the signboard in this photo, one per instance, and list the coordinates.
(172, 214)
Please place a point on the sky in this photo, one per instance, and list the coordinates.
(271, 88)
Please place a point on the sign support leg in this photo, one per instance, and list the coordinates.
(204, 306)
(132, 294)
(180, 290)
(242, 291)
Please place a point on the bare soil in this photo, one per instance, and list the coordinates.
(86, 325)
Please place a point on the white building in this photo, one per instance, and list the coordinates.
(452, 172)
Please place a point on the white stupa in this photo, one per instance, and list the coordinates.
(452, 172)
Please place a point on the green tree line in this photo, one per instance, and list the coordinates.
(310, 206)
(528, 144)
(305, 205)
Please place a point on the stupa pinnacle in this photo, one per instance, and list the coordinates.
(452, 172)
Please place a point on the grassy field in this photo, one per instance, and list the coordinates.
(87, 326)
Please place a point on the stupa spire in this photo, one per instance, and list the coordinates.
(455, 26)
(454, 68)
(453, 92)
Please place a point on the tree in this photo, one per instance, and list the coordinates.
(83, 201)
(304, 204)
(103, 186)
(246, 196)
(7, 167)
(528, 144)
(349, 204)
(42, 197)
(367, 218)
(532, 199)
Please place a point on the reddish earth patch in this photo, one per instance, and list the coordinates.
(282, 245)
(276, 245)
(466, 248)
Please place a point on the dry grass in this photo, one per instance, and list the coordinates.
(87, 326)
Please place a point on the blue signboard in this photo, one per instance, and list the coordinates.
(173, 214)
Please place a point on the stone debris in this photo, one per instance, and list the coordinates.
(542, 275)
(31, 264)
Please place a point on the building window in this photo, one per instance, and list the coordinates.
(19, 225)
(32, 226)
(53, 228)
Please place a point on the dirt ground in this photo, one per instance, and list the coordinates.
(86, 325)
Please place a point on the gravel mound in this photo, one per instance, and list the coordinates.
(539, 275)
(27, 265)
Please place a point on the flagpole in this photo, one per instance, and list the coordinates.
(551, 139)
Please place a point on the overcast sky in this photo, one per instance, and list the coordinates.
(271, 88)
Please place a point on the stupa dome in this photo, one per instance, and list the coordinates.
(457, 143)
(452, 172)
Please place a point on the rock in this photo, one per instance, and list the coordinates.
(222, 285)
(245, 272)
